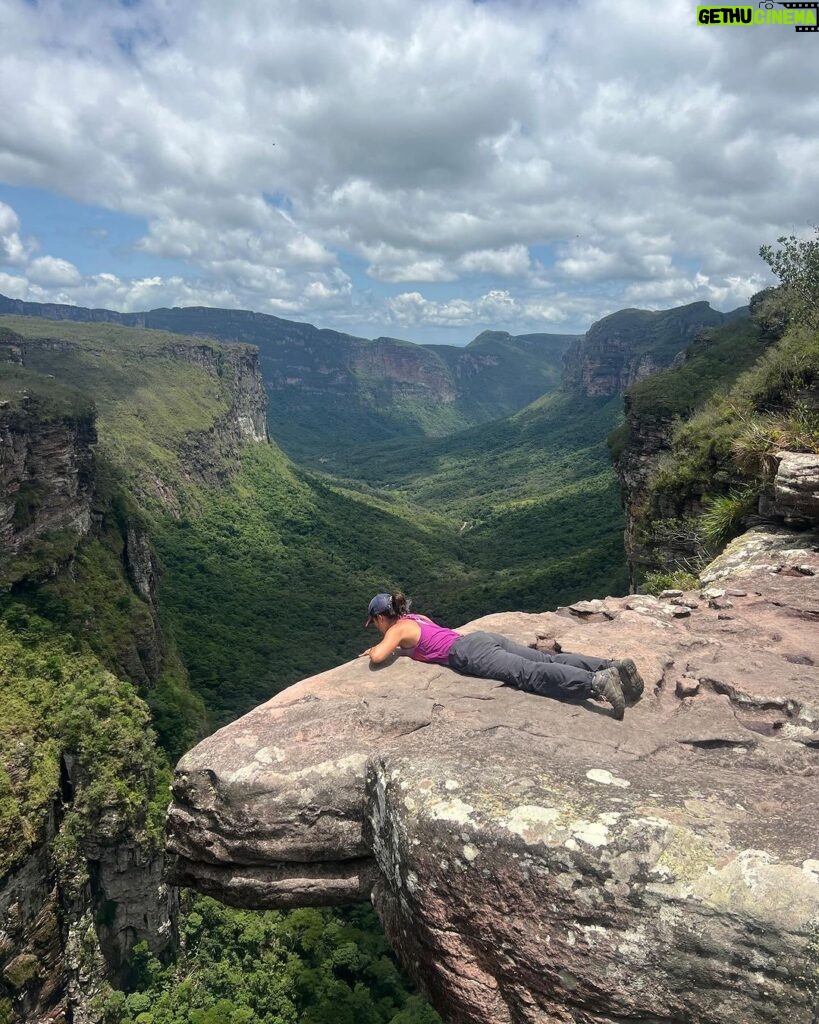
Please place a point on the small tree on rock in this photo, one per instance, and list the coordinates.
(796, 264)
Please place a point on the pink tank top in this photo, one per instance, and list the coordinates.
(435, 641)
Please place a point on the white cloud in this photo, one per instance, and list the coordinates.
(724, 293)
(13, 250)
(14, 286)
(513, 261)
(497, 307)
(49, 270)
(268, 142)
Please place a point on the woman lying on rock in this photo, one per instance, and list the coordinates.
(567, 677)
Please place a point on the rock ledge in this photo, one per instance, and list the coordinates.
(540, 862)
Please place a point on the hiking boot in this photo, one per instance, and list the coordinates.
(606, 685)
(630, 680)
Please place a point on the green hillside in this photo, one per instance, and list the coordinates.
(150, 391)
(533, 498)
(712, 427)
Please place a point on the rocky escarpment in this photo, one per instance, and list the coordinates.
(633, 344)
(209, 455)
(81, 876)
(657, 533)
(536, 861)
(69, 920)
(723, 439)
(661, 532)
(213, 456)
(239, 367)
(46, 482)
(69, 928)
(77, 888)
(796, 489)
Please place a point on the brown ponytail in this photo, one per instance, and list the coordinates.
(400, 604)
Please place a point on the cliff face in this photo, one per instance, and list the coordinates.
(67, 925)
(633, 344)
(79, 887)
(715, 433)
(46, 476)
(212, 456)
(239, 367)
(651, 547)
(81, 875)
(198, 401)
(533, 860)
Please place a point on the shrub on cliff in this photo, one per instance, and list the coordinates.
(796, 264)
(722, 458)
(58, 706)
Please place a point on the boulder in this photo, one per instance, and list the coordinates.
(534, 861)
(796, 486)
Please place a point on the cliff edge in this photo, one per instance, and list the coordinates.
(535, 861)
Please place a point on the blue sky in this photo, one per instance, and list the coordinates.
(425, 170)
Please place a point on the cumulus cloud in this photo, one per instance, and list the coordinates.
(13, 250)
(496, 307)
(50, 270)
(513, 261)
(433, 143)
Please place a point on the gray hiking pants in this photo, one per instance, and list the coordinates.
(492, 656)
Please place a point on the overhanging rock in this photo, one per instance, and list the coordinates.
(540, 862)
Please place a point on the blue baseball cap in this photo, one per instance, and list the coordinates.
(380, 604)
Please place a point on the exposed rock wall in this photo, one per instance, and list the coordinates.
(46, 477)
(213, 456)
(129, 900)
(57, 947)
(656, 535)
(60, 942)
(632, 344)
(65, 928)
(535, 861)
(796, 488)
(69, 922)
(600, 364)
(246, 419)
(403, 371)
(33, 970)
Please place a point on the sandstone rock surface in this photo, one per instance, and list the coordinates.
(797, 485)
(540, 862)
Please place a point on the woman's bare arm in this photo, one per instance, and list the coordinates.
(405, 633)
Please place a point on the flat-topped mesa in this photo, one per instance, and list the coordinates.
(535, 861)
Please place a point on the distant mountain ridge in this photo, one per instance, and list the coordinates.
(324, 385)
(330, 392)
